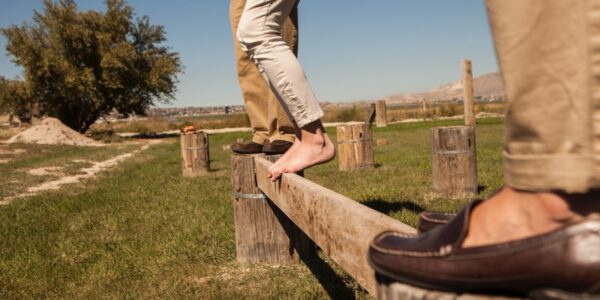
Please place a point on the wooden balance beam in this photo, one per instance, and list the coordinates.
(305, 212)
(340, 226)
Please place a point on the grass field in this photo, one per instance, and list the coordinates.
(143, 231)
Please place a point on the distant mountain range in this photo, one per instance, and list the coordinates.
(487, 87)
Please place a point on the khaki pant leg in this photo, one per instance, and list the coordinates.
(280, 126)
(268, 119)
(255, 91)
(546, 51)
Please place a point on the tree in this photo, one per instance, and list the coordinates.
(14, 98)
(80, 65)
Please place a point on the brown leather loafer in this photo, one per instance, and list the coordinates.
(431, 219)
(566, 259)
(250, 148)
(276, 147)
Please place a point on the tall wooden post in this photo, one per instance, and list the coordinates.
(355, 147)
(454, 161)
(263, 233)
(195, 158)
(469, 100)
(381, 114)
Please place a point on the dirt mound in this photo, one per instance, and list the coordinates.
(52, 132)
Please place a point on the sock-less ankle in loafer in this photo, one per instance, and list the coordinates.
(566, 259)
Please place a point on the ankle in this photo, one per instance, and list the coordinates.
(542, 206)
(313, 134)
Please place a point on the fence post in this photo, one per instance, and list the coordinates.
(454, 161)
(355, 147)
(263, 233)
(467, 81)
(381, 114)
(195, 158)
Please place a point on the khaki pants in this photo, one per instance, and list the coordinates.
(549, 56)
(259, 34)
(268, 119)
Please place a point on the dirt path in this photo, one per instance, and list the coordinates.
(84, 173)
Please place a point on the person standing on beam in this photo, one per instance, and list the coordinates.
(259, 35)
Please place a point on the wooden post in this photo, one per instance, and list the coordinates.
(263, 234)
(389, 290)
(454, 161)
(195, 158)
(355, 147)
(381, 114)
(469, 100)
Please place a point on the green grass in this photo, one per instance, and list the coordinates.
(143, 231)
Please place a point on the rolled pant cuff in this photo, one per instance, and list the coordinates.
(307, 120)
(571, 173)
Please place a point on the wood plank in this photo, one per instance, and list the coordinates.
(341, 227)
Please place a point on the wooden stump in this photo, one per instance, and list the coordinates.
(469, 100)
(381, 114)
(263, 233)
(454, 161)
(355, 147)
(195, 158)
(387, 290)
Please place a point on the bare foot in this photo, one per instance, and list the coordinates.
(314, 147)
(512, 215)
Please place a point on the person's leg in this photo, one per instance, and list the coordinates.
(540, 234)
(546, 53)
(259, 34)
(255, 91)
(281, 127)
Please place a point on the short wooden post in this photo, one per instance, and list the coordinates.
(195, 158)
(355, 147)
(263, 234)
(469, 100)
(381, 114)
(454, 161)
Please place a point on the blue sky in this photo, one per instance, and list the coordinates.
(350, 49)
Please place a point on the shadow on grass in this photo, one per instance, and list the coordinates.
(301, 245)
(386, 207)
(154, 135)
(481, 188)
(333, 283)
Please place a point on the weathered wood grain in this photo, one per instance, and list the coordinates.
(381, 114)
(454, 161)
(469, 99)
(195, 157)
(263, 233)
(399, 291)
(341, 227)
(355, 147)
